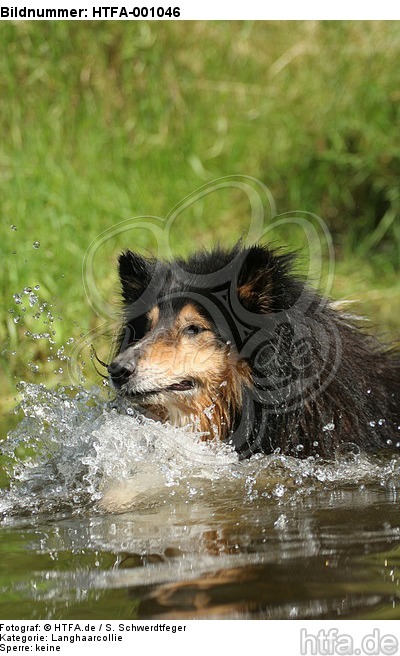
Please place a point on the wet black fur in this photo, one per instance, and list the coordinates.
(318, 380)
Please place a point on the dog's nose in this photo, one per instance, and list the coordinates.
(120, 372)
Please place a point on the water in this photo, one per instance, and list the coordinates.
(112, 515)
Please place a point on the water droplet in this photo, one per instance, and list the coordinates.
(13, 227)
(36, 244)
(300, 448)
(381, 422)
(328, 427)
(348, 452)
(279, 490)
(281, 522)
(36, 288)
(209, 412)
(16, 319)
(17, 298)
(316, 443)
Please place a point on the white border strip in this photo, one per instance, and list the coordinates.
(205, 10)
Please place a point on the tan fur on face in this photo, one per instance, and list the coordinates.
(176, 356)
(171, 356)
(154, 316)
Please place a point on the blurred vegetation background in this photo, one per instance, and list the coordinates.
(104, 121)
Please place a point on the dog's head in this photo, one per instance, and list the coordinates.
(180, 349)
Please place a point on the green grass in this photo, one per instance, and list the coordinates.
(104, 121)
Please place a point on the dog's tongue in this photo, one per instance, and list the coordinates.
(181, 387)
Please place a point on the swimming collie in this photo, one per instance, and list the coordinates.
(235, 345)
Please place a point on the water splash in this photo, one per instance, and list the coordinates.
(76, 445)
(76, 450)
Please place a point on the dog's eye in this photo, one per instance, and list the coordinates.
(193, 329)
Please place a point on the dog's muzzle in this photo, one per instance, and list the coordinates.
(120, 372)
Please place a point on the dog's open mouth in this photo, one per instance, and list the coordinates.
(182, 386)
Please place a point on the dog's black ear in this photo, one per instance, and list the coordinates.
(135, 273)
(261, 277)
